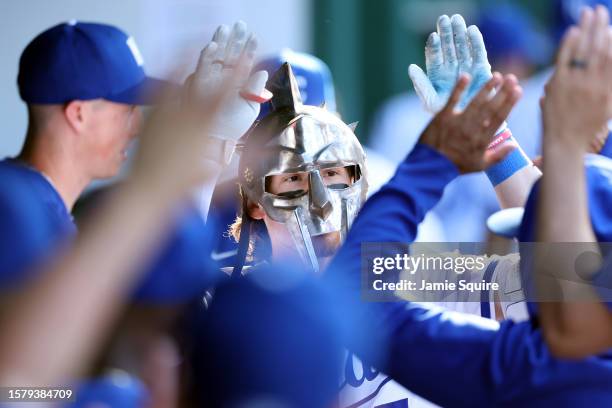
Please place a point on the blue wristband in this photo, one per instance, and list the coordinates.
(513, 162)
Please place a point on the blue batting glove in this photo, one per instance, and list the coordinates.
(452, 50)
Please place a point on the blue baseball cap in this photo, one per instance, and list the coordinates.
(83, 61)
(312, 74)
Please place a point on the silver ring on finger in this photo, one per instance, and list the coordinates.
(576, 63)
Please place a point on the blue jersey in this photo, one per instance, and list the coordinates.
(34, 221)
(452, 359)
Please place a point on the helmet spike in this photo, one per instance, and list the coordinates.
(284, 87)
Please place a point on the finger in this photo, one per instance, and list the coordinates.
(489, 112)
(568, 48)
(461, 43)
(477, 111)
(245, 61)
(433, 53)
(509, 83)
(422, 85)
(582, 48)
(608, 64)
(501, 105)
(250, 47)
(207, 58)
(600, 39)
(235, 44)
(221, 34)
(445, 30)
(479, 51)
(485, 93)
(220, 37)
(255, 89)
(460, 87)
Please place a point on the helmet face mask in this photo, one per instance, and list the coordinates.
(296, 138)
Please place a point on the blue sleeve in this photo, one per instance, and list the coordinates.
(394, 212)
(449, 358)
(28, 238)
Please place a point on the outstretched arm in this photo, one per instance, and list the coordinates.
(577, 104)
(406, 340)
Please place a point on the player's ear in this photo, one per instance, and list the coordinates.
(74, 112)
(255, 210)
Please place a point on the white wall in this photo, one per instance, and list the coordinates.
(165, 30)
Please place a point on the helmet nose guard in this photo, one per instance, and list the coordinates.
(320, 203)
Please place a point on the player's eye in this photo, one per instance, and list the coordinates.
(292, 178)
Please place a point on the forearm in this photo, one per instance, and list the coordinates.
(204, 193)
(514, 191)
(572, 329)
(564, 182)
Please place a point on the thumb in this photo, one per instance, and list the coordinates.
(538, 162)
(255, 88)
(423, 87)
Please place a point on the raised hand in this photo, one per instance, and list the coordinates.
(463, 135)
(231, 53)
(578, 100)
(449, 52)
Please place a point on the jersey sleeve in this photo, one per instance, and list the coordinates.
(26, 236)
(421, 346)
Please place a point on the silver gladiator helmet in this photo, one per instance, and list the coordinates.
(296, 138)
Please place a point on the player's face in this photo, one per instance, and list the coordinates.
(110, 129)
(325, 245)
(282, 184)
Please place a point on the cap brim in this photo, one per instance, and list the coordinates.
(147, 92)
(506, 223)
